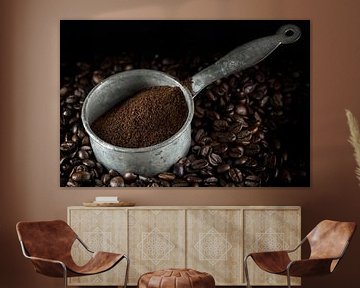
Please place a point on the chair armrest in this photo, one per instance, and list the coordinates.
(49, 267)
(298, 246)
(308, 267)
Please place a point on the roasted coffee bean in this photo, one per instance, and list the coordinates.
(72, 183)
(117, 181)
(193, 179)
(251, 162)
(81, 176)
(178, 169)
(214, 159)
(68, 146)
(236, 128)
(220, 125)
(243, 137)
(180, 183)
(89, 163)
(75, 161)
(252, 181)
(236, 152)
(129, 177)
(113, 173)
(260, 77)
(199, 111)
(229, 108)
(75, 138)
(82, 154)
(211, 96)
(235, 175)
(252, 149)
(206, 140)
(63, 91)
(213, 115)
(223, 168)
(80, 133)
(210, 181)
(199, 164)
(97, 77)
(164, 183)
(85, 141)
(249, 87)
(241, 161)
(200, 134)
(220, 148)
(196, 149)
(98, 183)
(224, 137)
(241, 110)
(154, 184)
(167, 176)
(206, 172)
(71, 99)
(80, 168)
(205, 150)
(99, 168)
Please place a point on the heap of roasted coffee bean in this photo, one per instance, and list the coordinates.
(240, 129)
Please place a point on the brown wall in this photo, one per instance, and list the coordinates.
(29, 113)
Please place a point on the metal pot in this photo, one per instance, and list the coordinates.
(160, 157)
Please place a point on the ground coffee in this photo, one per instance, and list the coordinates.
(148, 118)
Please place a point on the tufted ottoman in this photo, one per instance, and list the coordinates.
(176, 278)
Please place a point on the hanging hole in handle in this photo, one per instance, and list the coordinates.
(289, 33)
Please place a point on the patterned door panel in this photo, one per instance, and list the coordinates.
(100, 230)
(214, 241)
(157, 240)
(270, 230)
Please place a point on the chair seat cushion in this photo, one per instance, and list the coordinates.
(176, 278)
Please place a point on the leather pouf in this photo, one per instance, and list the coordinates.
(176, 278)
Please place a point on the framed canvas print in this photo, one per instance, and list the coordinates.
(185, 103)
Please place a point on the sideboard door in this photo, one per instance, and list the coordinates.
(268, 230)
(214, 244)
(156, 240)
(101, 230)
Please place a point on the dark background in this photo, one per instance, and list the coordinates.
(82, 40)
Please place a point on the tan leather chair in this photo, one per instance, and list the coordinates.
(328, 242)
(48, 245)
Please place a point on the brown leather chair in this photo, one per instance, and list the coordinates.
(328, 242)
(48, 245)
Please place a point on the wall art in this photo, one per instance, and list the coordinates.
(184, 103)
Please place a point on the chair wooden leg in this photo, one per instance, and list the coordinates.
(127, 271)
(246, 272)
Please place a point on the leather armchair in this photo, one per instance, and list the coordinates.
(48, 245)
(328, 242)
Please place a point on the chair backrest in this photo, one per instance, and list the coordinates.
(329, 239)
(46, 239)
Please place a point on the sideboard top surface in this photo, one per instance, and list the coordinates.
(192, 207)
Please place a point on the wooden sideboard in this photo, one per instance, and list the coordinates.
(212, 239)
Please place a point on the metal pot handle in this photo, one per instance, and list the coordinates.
(245, 56)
